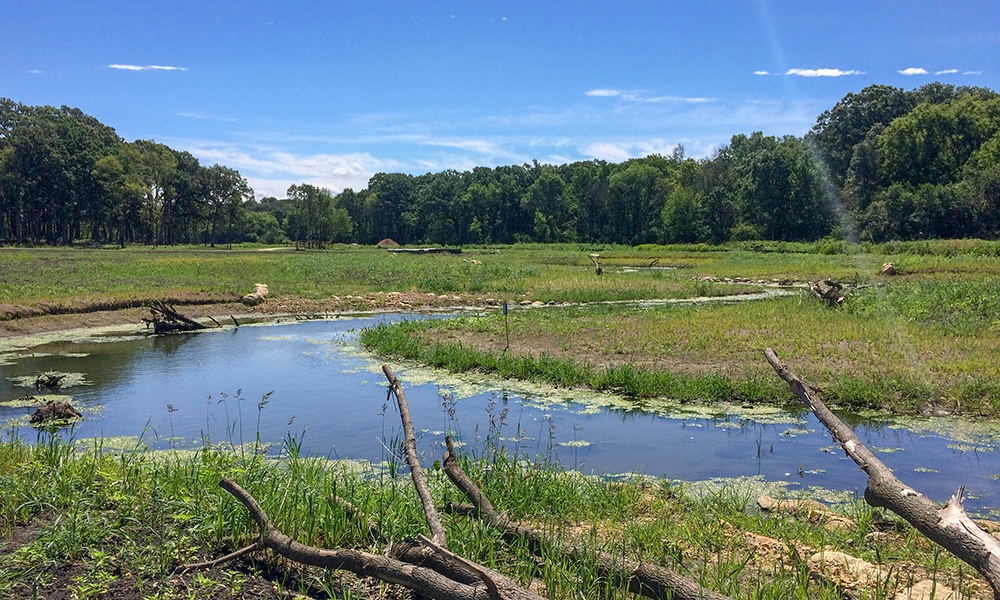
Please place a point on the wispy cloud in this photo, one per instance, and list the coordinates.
(619, 151)
(946, 72)
(204, 117)
(603, 93)
(761, 73)
(914, 71)
(122, 67)
(973, 73)
(638, 96)
(270, 171)
(821, 72)
(35, 72)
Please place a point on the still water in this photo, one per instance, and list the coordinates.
(310, 380)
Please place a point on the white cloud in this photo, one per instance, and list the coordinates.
(602, 93)
(122, 67)
(947, 72)
(480, 146)
(633, 96)
(820, 72)
(204, 117)
(913, 71)
(271, 171)
(761, 73)
(622, 151)
(973, 73)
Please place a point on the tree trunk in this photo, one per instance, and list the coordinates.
(948, 525)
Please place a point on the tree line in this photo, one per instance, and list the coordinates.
(882, 164)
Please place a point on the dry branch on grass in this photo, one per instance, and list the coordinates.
(429, 568)
(948, 525)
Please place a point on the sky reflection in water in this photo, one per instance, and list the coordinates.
(327, 393)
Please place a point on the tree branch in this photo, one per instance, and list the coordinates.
(364, 564)
(948, 525)
(416, 473)
(651, 581)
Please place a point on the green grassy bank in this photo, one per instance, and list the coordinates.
(90, 523)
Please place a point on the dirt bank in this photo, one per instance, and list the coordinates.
(18, 320)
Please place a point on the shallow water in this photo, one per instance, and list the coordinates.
(178, 390)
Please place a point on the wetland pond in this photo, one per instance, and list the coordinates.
(311, 381)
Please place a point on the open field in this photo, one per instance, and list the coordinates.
(925, 340)
(104, 522)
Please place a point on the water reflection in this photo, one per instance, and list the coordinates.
(321, 389)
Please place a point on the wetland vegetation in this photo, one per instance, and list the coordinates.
(92, 522)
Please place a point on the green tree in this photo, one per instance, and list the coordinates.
(933, 141)
(157, 164)
(553, 207)
(313, 214)
(392, 199)
(226, 191)
(838, 130)
(589, 185)
(636, 194)
(683, 217)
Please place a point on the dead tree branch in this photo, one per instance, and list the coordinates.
(649, 580)
(210, 564)
(948, 525)
(416, 473)
(167, 320)
(828, 291)
(364, 564)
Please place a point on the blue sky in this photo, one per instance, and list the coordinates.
(332, 92)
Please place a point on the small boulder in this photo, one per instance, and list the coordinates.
(257, 296)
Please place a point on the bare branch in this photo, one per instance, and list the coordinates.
(364, 564)
(948, 525)
(651, 581)
(416, 473)
(486, 577)
(211, 564)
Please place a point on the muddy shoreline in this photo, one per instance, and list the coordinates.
(18, 321)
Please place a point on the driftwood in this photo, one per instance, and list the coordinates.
(54, 410)
(53, 381)
(427, 567)
(597, 265)
(167, 320)
(646, 579)
(948, 525)
(259, 293)
(828, 291)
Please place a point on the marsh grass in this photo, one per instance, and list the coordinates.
(129, 518)
(905, 348)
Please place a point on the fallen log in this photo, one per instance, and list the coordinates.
(828, 291)
(167, 320)
(948, 525)
(645, 579)
(54, 410)
(429, 568)
(53, 381)
(259, 293)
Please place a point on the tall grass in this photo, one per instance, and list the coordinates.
(129, 519)
(905, 348)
